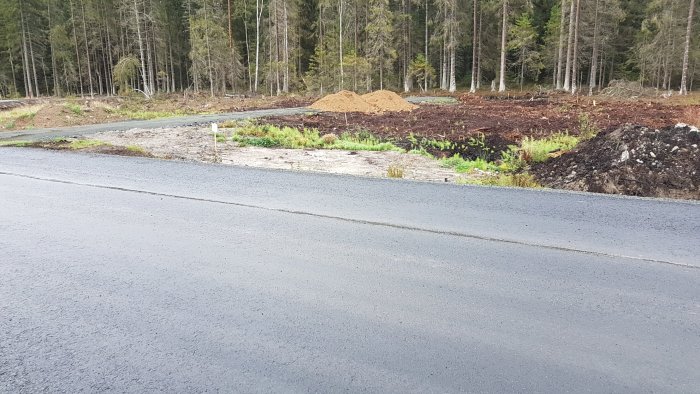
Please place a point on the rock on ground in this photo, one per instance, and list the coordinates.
(632, 160)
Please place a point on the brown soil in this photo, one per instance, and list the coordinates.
(55, 113)
(502, 122)
(344, 101)
(632, 160)
(388, 101)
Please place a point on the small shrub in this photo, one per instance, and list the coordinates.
(74, 108)
(462, 165)
(292, 138)
(511, 160)
(395, 171)
(587, 129)
(523, 180)
(83, 144)
(538, 150)
(137, 150)
(329, 139)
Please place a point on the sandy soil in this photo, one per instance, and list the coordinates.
(197, 144)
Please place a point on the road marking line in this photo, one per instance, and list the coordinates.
(356, 221)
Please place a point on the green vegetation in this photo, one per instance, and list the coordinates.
(395, 171)
(82, 143)
(269, 136)
(137, 149)
(146, 115)
(587, 128)
(538, 150)
(510, 170)
(74, 108)
(9, 119)
(16, 144)
(462, 165)
(504, 180)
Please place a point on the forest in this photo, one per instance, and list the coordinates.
(273, 47)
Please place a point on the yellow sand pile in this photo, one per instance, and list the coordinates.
(375, 102)
(388, 101)
(344, 101)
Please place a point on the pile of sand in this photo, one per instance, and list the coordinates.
(388, 101)
(344, 101)
(371, 103)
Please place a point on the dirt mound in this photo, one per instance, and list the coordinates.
(632, 160)
(344, 101)
(388, 101)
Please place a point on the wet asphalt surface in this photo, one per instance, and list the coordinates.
(139, 275)
(191, 120)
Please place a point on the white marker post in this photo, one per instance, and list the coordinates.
(215, 130)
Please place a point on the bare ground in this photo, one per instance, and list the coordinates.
(197, 144)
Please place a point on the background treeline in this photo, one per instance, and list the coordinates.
(103, 47)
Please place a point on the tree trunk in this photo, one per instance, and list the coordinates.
(686, 52)
(594, 57)
(285, 83)
(259, 5)
(427, 61)
(569, 46)
(247, 45)
(28, 89)
(77, 52)
(443, 75)
(87, 51)
(560, 53)
(340, 39)
(31, 57)
(453, 47)
(504, 34)
(54, 69)
(574, 65)
(472, 88)
(144, 75)
(478, 56)
(209, 65)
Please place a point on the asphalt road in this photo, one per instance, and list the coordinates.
(80, 131)
(139, 275)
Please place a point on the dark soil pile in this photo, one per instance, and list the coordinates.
(632, 160)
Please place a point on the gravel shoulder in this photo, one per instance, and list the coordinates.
(197, 144)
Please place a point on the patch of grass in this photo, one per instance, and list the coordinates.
(395, 171)
(269, 136)
(221, 137)
(538, 150)
(74, 108)
(463, 165)
(524, 180)
(15, 144)
(146, 115)
(9, 119)
(137, 149)
(423, 143)
(421, 152)
(83, 144)
(587, 129)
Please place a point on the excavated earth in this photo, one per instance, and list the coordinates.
(501, 122)
(632, 160)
